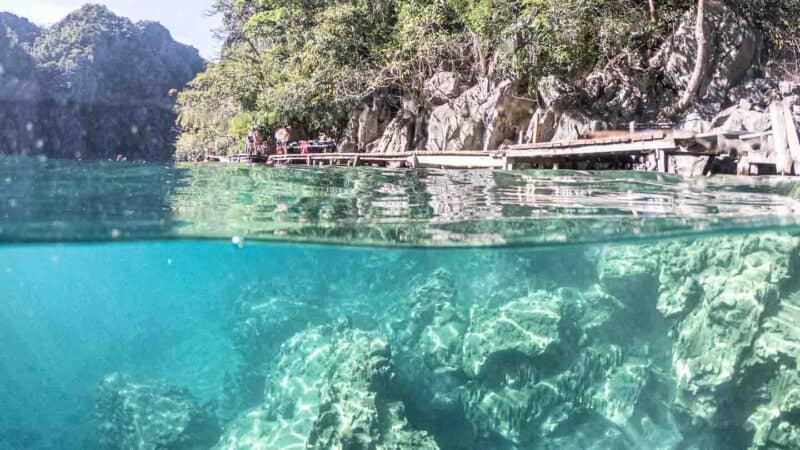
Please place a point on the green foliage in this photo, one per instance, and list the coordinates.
(309, 62)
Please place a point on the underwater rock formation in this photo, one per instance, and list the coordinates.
(520, 373)
(733, 323)
(151, 416)
(668, 345)
(263, 317)
(330, 387)
(529, 327)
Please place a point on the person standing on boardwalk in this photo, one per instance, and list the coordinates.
(250, 143)
(282, 138)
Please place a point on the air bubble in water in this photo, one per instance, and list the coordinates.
(238, 241)
(29, 127)
(12, 203)
(134, 129)
(115, 233)
(39, 143)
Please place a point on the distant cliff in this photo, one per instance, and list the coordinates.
(94, 85)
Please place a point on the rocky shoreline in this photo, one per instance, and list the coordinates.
(461, 109)
(734, 94)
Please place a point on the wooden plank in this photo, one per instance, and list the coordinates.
(452, 161)
(583, 142)
(791, 136)
(783, 160)
(598, 150)
(760, 158)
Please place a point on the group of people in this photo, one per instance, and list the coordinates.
(256, 141)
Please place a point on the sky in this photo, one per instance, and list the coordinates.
(187, 20)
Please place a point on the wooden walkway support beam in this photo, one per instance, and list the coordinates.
(792, 140)
(783, 160)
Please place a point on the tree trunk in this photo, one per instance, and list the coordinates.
(652, 5)
(699, 64)
(477, 48)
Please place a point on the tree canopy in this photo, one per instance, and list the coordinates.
(309, 62)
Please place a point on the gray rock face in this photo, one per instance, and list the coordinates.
(459, 125)
(398, 136)
(371, 123)
(22, 29)
(484, 116)
(741, 118)
(150, 417)
(733, 46)
(481, 118)
(94, 85)
(443, 87)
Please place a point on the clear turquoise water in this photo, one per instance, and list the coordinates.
(183, 307)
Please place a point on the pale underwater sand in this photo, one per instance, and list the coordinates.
(688, 343)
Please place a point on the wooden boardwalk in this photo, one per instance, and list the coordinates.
(775, 151)
(613, 151)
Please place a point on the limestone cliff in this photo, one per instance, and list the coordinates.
(94, 85)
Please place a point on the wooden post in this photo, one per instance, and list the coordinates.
(783, 160)
(792, 138)
(661, 161)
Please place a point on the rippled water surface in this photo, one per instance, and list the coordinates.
(192, 307)
(68, 201)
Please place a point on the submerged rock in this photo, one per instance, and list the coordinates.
(629, 273)
(738, 280)
(152, 416)
(331, 387)
(679, 344)
(529, 327)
